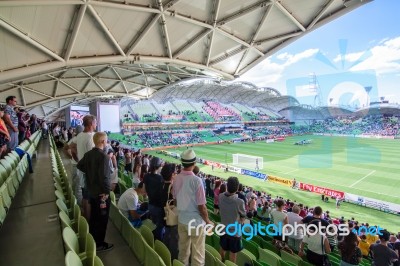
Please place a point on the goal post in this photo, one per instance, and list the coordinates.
(247, 161)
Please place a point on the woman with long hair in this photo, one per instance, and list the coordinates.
(153, 182)
(348, 248)
(216, 194)
(137, 167)
(171, 236)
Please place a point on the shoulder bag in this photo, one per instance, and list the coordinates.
(171, 212)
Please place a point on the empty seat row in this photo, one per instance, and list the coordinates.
(12, 171)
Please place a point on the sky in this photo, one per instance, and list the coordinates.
(333, 64)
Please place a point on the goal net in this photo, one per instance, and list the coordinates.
(248, 161)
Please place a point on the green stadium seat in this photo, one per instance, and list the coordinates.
(72, 259)
(163, 252)
(151, 257)
(291, 258)
(147, 235)
(269, 257)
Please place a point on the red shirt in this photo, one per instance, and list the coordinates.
(303, 213)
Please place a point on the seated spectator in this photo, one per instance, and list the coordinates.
(381, 253)
(364, 246)
(349, 250)
(130, 207)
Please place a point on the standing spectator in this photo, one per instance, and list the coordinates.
(316, 215)
(4, 135)
(136, 171)
(22, 126)
(294, 218)
(33, 124)
(348, 248)
(265, 212)
(241, 195)
(128, 161)
(72, 152)
(153, 183)
(45, 130)
(171, 237)
(332, 238)
(381, 253)
(278, 216)
(96, 166)
(209, 191)
(70, 133)
(191, 203)
(232, 210)
(318, 246)
(11, 120)
(84, 143)
(216, 194)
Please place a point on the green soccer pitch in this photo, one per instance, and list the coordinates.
(367, 167)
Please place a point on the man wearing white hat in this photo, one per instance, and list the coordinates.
(191, 204)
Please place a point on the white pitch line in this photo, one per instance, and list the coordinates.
(291, 171)
(358, 181)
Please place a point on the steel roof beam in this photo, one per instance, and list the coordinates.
(107, 32)
(243, 12)
(228, 55)
(29, 40)
(64, 83)
(289, 15)
(40, 3)
(76, 26)
(214, 16)
(240, 41)
(170, 4)
(116, 73)
(142, 32)
(275, 38)
(164, 30)
(320, 14)
(255, 35)
(191, 42)
(125, 6)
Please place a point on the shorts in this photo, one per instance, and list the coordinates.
(231, 243)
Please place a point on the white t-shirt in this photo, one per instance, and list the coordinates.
(84, 143)
(128, 202)
(73, 140)
(314, 243)
(293, 219)
(278, 216)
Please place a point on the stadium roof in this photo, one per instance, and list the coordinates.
(56, 52)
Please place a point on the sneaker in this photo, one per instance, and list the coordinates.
(104, 247)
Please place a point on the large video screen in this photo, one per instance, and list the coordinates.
(109, 118)
(77, 113)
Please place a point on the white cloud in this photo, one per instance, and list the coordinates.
(384, 57)
(268, 72)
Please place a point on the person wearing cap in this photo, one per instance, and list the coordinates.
(190, 198)
(153, 182)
